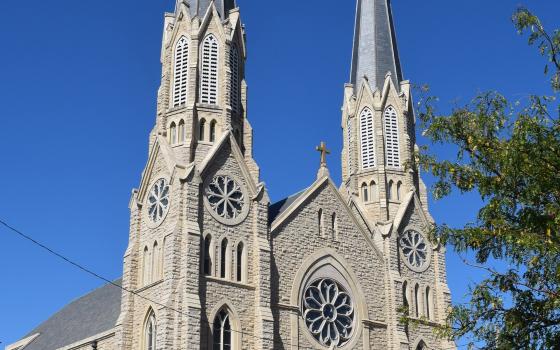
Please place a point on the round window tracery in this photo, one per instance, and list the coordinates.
(226, 197)
(158, 201)
(328, 312)
(414, 248)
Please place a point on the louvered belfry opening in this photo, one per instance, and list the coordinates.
(367, 139)
(392, 138)
(181, 68)
(209, 71)
(234, 66)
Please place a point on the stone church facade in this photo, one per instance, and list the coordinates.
(213, 264)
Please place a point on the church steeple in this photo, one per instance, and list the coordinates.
(375, 49)
(199, 7)
(377, 117)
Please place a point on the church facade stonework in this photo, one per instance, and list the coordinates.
(213, 264)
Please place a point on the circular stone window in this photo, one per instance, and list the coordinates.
(158, 201)
(415, 250)
(226, 200)
(328, 312)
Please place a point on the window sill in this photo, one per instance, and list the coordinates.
(208, 107)
(153, 284)
(206, 143)
(176, 110)
(229, 283)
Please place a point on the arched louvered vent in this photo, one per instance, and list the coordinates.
(235, 88)
(180, 77)
(367, 139)
(348, 144)
(209, 71)
(392, 138)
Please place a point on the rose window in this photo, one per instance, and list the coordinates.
(328, 312)
(414, 249)
(226, 197)
(158, 200)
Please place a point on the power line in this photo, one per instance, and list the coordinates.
(112, 283)
(104, 279)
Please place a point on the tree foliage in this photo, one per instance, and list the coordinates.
(509, 153)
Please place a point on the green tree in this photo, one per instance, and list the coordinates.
(509, 153)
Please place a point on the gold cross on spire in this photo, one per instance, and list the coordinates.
(324, 152)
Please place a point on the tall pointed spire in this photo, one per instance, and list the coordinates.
(375, 48)
(199, 7)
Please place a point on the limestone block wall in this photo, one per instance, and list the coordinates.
(298, 239)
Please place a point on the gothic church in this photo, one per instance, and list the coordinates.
(212, 264)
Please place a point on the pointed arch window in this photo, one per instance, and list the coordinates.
(367, 139)
(390, 190)
(429, 306)
(209, 71)
(208, 256)
(224, 258)
(417, 300)
(173, 133)
(221, 331)
(181, 69)
(202, 129)
(146, 267)
(373, 190)
(156, 256)
(235, 87)
(365, 193)
(181, 131)
(150, 333)
(406, 303)
(421, 346)
(240, 260)
(399, 191)
(392, 152)
(321, 223)
(213, 131)
(334, 226)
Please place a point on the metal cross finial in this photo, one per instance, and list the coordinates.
(324, 152)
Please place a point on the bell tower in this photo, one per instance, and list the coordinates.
(203, 91)
(377, 117)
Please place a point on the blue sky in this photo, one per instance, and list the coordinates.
(78, 82)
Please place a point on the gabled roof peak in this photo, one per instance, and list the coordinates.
(200, 7)
(375, 52)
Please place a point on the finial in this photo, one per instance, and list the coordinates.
(323, 170)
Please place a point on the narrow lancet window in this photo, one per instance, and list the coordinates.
(182, 131)
(240, 262)
(202, 130)
(365, 193)
(207, 256)
(150, 333)
(173, 132)
(222, 332)
(224, 263)
(373, 191)
(213, 131)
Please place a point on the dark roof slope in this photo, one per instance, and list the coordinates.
(375, 45)
(94, 313)
(199, 7)
(279, 207)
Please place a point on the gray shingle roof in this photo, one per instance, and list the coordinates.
(375, 45)
(94, 313)
(199, 7)
(276, 209)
